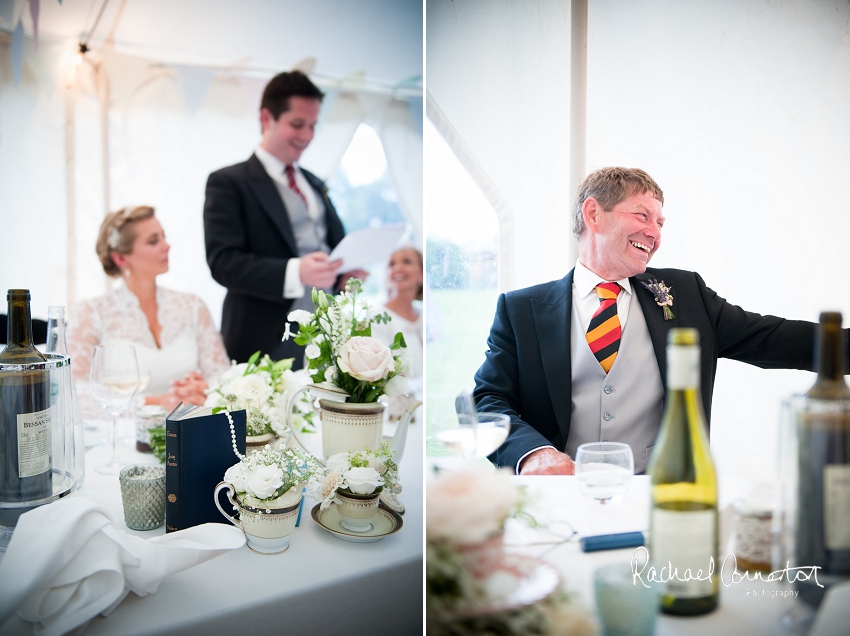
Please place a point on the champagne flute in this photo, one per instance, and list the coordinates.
(114, 382)
(604, 471)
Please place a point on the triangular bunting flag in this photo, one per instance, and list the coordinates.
(7, 11)
(16, 52)
(34, 6)
(194, 81)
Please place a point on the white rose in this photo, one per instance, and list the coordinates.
(300, 316)
(366, 358)
(338, 462)
(362, 480)
(469, 506)
(235, 475)
(330, 374)
(312, 351)
(263, 481)
(244, 386)
(396, 386)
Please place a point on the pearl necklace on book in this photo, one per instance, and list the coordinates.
(233, 435)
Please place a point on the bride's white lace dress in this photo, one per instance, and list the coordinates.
(189, 340)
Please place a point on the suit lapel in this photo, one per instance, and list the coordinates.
(552, 324)
(655, 323)
(264, 189)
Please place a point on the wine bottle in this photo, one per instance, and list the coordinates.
(823, 487)
(57, 343)
(683, 520)
(25, 416)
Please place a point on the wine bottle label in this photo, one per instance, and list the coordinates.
(34, 443)
(682, 543)
(836, 506)
(682, 367)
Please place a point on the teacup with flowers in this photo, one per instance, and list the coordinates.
(268, 488)
(353, 482)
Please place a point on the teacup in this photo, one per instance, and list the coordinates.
(357, 512)
(267, 524)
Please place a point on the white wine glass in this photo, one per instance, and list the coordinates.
(114, 380)
(474, 435)
(604, 471)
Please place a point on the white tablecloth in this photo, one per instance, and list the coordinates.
(321, 585)
(746, 607)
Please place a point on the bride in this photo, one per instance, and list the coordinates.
(175, 339)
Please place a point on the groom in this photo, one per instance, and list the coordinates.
(583, 359)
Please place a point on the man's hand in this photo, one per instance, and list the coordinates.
(547, 461)
(317, 271)
(354, 273)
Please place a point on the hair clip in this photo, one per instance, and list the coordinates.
(114, 239)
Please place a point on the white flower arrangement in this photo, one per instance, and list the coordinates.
(465, 520)
(340, 349)
(263, 387)
(363, 473)
(269, 473)
(470, 506)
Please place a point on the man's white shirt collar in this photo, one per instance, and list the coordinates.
(586, 281)
(272, 165)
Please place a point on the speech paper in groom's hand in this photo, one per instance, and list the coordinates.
(371, 245)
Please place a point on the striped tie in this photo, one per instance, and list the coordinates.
(603, 334)
(290, 176)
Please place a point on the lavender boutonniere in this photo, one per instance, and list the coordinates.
(662, 296)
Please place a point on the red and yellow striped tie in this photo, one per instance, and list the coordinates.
(603, 334)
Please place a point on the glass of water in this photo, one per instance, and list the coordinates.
(604, 471)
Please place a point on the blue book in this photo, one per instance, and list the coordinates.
(198, 451)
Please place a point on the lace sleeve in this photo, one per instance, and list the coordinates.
(83, 335)
(212, 358)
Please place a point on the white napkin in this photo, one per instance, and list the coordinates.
(67, 562)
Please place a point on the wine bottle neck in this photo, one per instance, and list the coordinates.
(56, 342)
(19, 324)
(830, 363)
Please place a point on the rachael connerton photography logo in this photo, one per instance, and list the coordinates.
(729, 573)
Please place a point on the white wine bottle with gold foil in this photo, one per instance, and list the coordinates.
(683, 539)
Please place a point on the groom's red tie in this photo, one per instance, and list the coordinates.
(603, 334)
(290, 177)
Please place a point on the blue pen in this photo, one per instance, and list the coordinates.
(300, 508)
(611, 541)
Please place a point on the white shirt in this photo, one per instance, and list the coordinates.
(586, 302)
(274, 167)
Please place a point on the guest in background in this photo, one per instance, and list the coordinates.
(175, 339)
(405, 284)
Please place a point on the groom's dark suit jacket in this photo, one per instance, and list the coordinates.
(249, 241)
(527, 371)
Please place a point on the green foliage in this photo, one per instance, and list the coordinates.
(158, 443)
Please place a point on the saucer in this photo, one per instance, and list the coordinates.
(522, 581)
(387, 522)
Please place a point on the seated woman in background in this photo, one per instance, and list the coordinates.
(404, 283)
(175, 339)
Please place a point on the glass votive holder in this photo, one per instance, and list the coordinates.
(627, 606)
(753, 517)
(143, 496)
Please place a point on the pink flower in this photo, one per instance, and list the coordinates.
(366, 358)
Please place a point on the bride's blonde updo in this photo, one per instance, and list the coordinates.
(117, 235)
